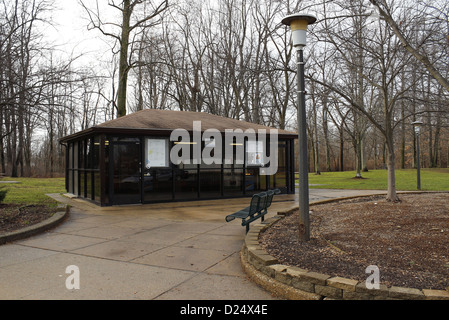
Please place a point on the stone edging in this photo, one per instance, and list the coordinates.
(34, 229)
(294, 283)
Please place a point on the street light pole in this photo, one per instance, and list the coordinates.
(298, 24)
(302, 142)
(417, 125)
(418, 166)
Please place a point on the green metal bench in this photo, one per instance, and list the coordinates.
(258, 208)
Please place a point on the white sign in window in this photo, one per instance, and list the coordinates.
(254, 153)
(156, 153)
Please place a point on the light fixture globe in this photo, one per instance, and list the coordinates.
(417, 125)
(298, 24)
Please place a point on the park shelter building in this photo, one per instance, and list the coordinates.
(109, 163)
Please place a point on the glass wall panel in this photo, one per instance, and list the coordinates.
(233, 161)
(210, 183)
(281, 174)
(254, 153)
(89, 184)
(263, 182)
(81, 150)
(210, 172)
(107, 172)
(97, 186)
(70, 167)
(89, 167)
(270, 180)
(82, 181)
(70, 164)
(75, 169)
(89, 154)
(158, 184)
(254, 182)
(232, 182)
(126, 173)
(186, 184)
(96, 153)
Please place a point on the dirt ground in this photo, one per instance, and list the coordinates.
(408, 241)
(14, 217)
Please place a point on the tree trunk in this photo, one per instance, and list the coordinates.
(391, 192)
(436, 145)
(2, 151)
(342, 145)
(123, 64)
(358, 155)
(326, 140)
(402, 135)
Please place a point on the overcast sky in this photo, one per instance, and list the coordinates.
(71, 35)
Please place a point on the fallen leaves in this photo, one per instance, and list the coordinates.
(408, 240)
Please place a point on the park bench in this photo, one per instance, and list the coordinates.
(258, 208)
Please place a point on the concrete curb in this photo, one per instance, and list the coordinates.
(293, 283)
(34, 229)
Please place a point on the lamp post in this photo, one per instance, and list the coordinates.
(298, 24)
(417, 125)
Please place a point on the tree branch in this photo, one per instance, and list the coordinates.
(420, 57)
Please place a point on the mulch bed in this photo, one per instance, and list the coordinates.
(14, 217)
(408, 241)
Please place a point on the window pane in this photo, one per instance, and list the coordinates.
(281, 174)
(106, 174)
(89, 185)
(186, 184)
(233, 182)
(89, 154)
(70, 181)
(96, 151)
(254, 153)
(75, 166)
(70, 165)
(81, 150)
(158, 184)
(126, 173)
(210, 183)
(254, 182)
(97, 186)
(82, 180)
(237, 156)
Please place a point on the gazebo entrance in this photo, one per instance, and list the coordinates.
(126, 183)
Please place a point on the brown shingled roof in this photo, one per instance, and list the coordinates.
(168, 120)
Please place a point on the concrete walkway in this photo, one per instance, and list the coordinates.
(173, 251)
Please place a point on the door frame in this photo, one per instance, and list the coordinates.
(112, 197)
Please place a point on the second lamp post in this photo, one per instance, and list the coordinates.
(417, 126)
(298, 24)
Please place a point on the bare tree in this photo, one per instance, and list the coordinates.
(20, 47)
(122, 33)
(372, 57)
(438, 14)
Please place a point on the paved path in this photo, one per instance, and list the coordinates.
(173, 251)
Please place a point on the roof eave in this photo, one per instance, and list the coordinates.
(137, 131)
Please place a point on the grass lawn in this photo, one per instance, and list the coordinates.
(32, 190)
(431, 180)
